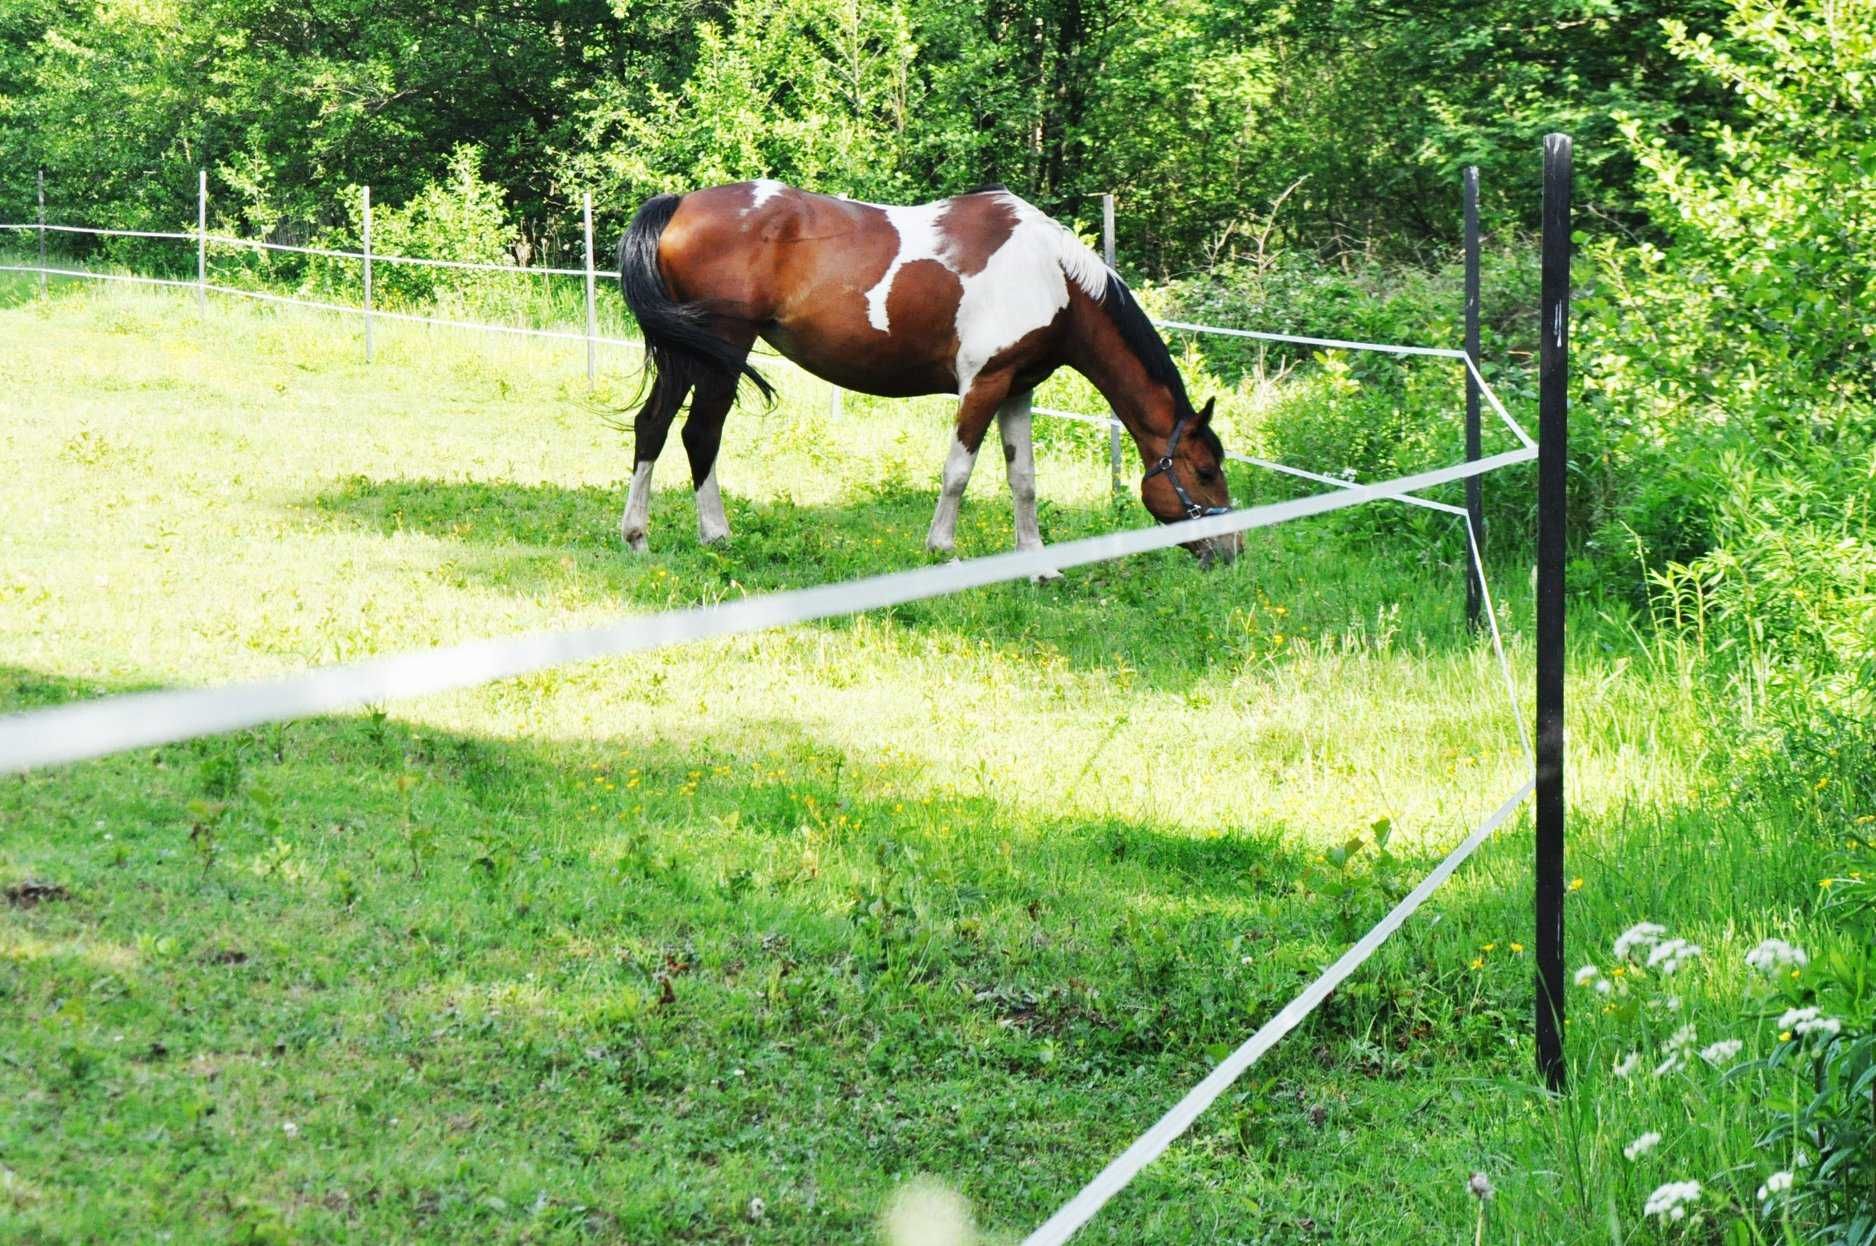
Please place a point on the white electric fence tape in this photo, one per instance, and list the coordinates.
(111, 724)
(409, 318)
(1151, 1144)
(91, 276)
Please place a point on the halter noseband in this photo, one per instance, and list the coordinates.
(1165, 466)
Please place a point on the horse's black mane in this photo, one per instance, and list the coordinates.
(1147, 345)
(986, 188)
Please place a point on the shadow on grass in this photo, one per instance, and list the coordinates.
(1160, 614)
(634, 984)
(641, 981)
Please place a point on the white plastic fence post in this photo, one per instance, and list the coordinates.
(1113, 428)
(364, 193)
(201, 240)
(42, 230)
(592, 312)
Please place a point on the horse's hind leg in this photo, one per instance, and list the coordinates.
(703, 436)
(649, 430)
(974, 412)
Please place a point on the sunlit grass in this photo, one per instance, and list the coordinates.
(974, 886)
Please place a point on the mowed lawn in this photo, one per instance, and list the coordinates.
(725, 943)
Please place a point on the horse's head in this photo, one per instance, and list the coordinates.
(1188, 481)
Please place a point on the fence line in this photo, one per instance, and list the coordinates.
(520, 270)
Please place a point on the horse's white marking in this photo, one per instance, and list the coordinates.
(712, 523)
(957, 474)
(761, 191)
(637, 518)
(917, 228)
(1021, 288)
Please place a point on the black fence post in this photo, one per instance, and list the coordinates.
(1474, 507)
(1552, 449)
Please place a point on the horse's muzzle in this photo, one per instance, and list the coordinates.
(1218, 550)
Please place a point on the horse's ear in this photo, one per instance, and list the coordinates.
(1205, 416)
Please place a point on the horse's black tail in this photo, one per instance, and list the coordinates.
(680, 349)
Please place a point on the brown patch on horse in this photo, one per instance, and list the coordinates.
(974, 228)
(1034, 357)
(923, 303)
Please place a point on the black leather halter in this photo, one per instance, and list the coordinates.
(1165, 465)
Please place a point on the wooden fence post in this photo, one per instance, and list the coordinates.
(201, 240)
(1113, 427)
(364, 201)
(592, 306)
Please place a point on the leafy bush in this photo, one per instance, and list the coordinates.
(460, 216)
(1357, 414)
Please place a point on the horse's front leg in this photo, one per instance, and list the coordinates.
(1015, 427)
(974, 413)
(649, 429)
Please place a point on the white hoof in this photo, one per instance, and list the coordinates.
(635, 542)
(1046, 577)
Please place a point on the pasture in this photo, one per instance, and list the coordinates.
(726, 943)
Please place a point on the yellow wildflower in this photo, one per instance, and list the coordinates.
(1576, 884)
(1478, 962)
(1517, 949)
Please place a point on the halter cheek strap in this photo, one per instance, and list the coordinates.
(1165, 467)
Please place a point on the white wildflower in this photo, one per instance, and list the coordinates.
(1670, 1201)
(1670, 954)
(1682, 1038)
(1481, 1186)
(1722, 1052)
(1587, 974)
(1641, 1146)
(1604, 986)
(1676, 1061)
(1807, 1021)
(1777, 1183)
(289, 1129)
(1773, 955)
(1625, 1067)
(757, 1210)
(1640, 935)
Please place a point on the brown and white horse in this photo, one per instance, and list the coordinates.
(982, 296)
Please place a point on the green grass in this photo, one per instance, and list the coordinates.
(974, 887)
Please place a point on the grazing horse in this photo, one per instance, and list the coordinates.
(981, 295)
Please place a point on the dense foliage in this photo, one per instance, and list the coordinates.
(1198, 114)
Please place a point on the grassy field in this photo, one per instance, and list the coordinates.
(727, 943)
